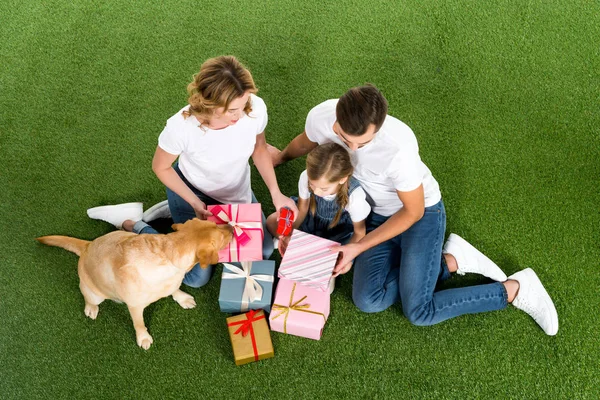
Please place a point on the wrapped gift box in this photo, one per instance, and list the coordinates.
(308, 260)
(299, 310)
(246, 220)
(246, 286)
(285, 221)
(250, 337)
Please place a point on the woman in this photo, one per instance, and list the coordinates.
(212, 138)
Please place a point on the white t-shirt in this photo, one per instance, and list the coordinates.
(357, 206)
(388, 163)
(216, 161)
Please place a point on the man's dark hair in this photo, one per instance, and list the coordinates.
(359, 107)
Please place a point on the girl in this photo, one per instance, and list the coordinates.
(331, 202)
(212, 138)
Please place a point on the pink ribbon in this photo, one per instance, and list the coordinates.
(229, 215)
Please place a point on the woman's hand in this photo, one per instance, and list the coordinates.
(200, 210)
(348, 253)
(280, 201)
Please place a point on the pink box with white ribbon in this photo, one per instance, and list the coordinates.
(246, 220)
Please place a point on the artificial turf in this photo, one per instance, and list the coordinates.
(503, 98)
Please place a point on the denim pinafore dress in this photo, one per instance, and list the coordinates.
(318, 224)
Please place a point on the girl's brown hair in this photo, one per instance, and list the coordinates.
(220, 81)
(332, 162)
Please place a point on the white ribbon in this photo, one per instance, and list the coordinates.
(252, 290)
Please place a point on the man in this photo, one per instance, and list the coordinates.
(401, 257)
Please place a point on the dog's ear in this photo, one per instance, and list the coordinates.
(207, 255)
(176, 227)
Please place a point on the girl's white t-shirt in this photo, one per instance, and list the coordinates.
(216, 161)
(357, 206)
(389, 163)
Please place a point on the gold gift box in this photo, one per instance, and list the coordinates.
(250, 337)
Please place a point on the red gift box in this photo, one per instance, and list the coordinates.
(285, 221)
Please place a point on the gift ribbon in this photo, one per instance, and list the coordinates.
(240, 236)
(246, 326)
(285, 310)
(252, 289)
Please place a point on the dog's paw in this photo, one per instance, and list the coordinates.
(188, 303)
(184, 300)
(91, 311)
(144, 340)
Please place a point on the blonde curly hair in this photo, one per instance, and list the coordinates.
(220, 81)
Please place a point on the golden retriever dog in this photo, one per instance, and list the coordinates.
(140, 269)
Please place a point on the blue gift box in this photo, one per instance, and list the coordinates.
(242, 284)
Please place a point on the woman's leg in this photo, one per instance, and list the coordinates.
(181, 212)
(422, 266)
(197, 277)
(272, 224)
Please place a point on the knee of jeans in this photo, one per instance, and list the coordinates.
(197, 277)
(367, 303)
(267, 249)
(417, 316)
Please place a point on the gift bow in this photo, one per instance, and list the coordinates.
(252, 290)
(288, 219)
(285, 310)
(246, 326)
(238, 227)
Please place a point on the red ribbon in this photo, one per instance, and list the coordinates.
(246, 326)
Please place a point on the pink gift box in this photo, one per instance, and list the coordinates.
(309, 261)
(299, 310)
(246, 220)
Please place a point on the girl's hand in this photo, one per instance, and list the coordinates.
(280, 201)
(348, 253)
(200, 210)
(283, 244)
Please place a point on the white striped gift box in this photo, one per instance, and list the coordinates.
(308, 260)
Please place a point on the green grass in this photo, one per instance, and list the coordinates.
(502, 95)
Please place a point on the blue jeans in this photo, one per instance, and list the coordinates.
(408, 268)
(181, 211)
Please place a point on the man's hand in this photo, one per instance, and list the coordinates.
(275, 154)
(348, 253)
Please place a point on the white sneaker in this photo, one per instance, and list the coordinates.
(159, 210)
(117, 214)
(535, 300)
(471, 260)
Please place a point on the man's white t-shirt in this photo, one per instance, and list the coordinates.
(388, 163)
(216, 161)
(357, 206)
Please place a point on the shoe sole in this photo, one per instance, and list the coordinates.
(149, 213)
(480, 256)
(539, 287)
(124, 205)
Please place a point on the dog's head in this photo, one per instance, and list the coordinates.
(207, 237)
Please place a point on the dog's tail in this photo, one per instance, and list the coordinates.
(74, 245)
